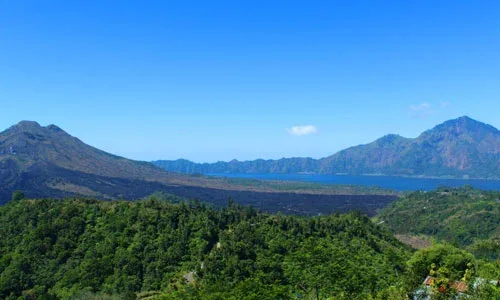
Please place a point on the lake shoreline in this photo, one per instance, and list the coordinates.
(396, 183)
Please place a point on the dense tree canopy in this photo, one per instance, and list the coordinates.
(158, 249)
(61, 248)
(465, 217)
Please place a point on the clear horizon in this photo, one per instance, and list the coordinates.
(211, 82)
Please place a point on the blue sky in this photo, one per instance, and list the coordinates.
(217, 80)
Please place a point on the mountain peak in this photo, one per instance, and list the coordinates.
(33, 127)
(466, 118)
(28, 139)
(48, 150)
(23, 126)
(391, 137)
(27, 125)
(458, 147)
(54, 128)
(465, 124)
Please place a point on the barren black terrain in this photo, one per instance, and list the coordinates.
(48, 162)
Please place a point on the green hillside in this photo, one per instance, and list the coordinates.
(464, 217)
(63, 248)
(166, 248)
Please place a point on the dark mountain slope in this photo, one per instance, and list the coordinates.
(376, 157)
(48, 162)
(459, 147)
(463, 145)
(28, 144)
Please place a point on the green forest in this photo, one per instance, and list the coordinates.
(165, 248)
(464, 217)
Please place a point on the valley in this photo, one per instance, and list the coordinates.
(69, 233)
(48, 162)
(249, 150)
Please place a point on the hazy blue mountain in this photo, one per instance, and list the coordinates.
(284, 165)
(459, 147)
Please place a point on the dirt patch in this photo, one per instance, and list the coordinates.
(416, 242)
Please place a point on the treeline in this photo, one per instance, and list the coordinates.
(465, 217)
(154, 249)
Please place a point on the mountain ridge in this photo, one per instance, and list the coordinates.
(30, 142)
(49, 162)
(461, 147)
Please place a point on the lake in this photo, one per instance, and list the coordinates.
(387, 182)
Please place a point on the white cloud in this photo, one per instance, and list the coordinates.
(445, 104)
(302, 130)
(422, 110)
(425, 109)
(420, 107)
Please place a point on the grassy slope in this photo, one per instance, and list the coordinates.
(464, 217)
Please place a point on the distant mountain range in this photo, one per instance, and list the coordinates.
(461, 147)
(48, 162)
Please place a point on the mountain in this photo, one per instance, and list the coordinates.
(457, 148)
(283, 166)
(28, 144)
(48, 162)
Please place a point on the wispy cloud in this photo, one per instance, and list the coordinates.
(422, 110)
(444, 104)
(302, 130)
(426, 109)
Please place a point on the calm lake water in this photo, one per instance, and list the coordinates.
(388, 182)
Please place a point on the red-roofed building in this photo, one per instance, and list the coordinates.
(459, 286)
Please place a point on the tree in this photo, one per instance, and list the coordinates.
(18, 195)
(445, 256)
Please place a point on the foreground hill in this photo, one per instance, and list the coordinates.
(466, 217)
(152, 249)
(68, 247)
(459, 147)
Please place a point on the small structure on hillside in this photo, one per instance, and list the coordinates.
(461, 287)
(425, 293)
(190, 277)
